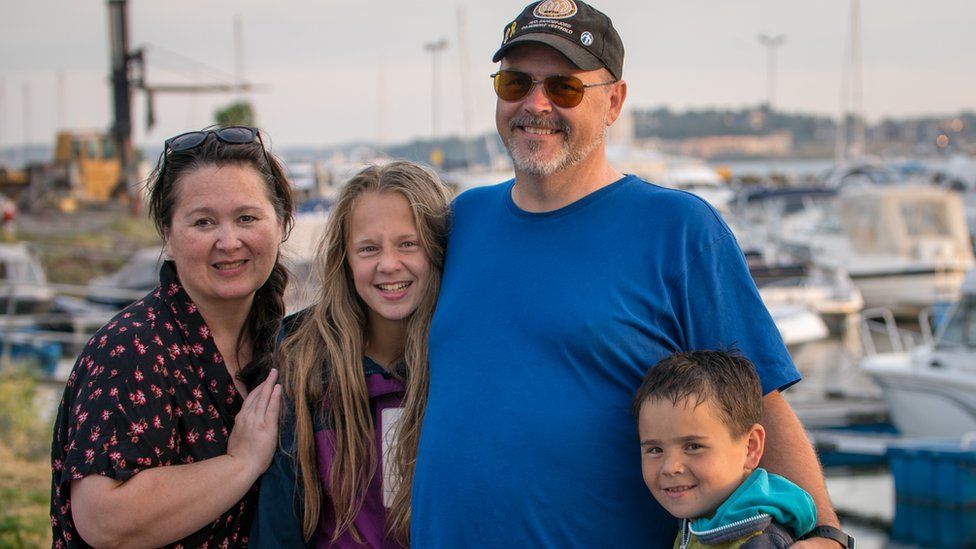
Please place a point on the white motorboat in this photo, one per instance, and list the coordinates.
(675, 172)
(930, 389)
(134, 279)
(798, 324)
(24, 288)
(905, 247)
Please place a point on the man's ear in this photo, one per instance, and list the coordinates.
(618, 94)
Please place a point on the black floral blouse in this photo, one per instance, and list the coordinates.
(149, 390)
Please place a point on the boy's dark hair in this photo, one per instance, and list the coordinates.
(727, 378)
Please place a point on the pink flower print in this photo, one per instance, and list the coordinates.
(96, 394)
(157, 423)
(168, 408)
(204, 332)
(223, 431)
(168, 326)
(160, 361)
(174, 351)
(178, 412)
(118, 350)
(178, 375)
(156, 391)
(138, 375)
(115, 456)
(81, 419)
(213, 412)
(106, 414)
(158, 340)
(112, 441)
(123, 329)
(138, 398)
(137, 428)
(144, 461)
(197, 393)
(90, 455)
(210, 435)
(102, 340)
(194, 407)
(192, 436)
(173, 289)
(58, 465)
(112, 373)
(197, 349)
(217, 359)
(191, 308)
(113, 392)
(95, 433)
(140, 348)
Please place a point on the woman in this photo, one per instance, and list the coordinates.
(349, 363)
(166, 420)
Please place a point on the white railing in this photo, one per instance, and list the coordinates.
(881, 321)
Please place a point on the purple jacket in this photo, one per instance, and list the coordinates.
(278, 520)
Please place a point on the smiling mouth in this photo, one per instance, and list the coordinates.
(677, 490)
(393, 286)
(538, 131)
(537, 125)
(229, 265)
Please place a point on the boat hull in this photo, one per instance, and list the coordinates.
(925, 401)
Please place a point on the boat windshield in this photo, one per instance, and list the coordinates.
(925, 218)
(960, 329)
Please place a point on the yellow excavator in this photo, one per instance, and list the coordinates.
(85, 169)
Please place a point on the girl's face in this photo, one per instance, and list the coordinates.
(389, 267)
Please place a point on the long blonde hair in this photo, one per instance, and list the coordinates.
(333, 336)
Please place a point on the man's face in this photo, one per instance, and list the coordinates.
(543, 138)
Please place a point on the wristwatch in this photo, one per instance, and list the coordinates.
(830, 532)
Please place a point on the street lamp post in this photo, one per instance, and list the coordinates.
(434, 48)
(771, 43)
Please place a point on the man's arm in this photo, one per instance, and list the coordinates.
(790, 454)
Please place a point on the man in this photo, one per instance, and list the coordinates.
(561, 287)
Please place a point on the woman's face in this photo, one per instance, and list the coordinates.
(389, 267)
(224, 234)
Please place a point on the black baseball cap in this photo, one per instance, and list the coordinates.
(577, 30)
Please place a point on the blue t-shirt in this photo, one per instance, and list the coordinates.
(545, 325)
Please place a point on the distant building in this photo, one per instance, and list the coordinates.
(725, 146)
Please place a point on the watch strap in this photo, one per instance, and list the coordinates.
(830, 532)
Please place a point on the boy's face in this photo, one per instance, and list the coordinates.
(690, 460)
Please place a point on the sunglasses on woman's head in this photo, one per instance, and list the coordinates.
(563, 90)
(234, 135)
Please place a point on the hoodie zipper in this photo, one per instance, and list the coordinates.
(729, 526)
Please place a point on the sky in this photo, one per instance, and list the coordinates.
(335, 71)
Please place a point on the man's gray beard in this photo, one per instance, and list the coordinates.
(524, 160)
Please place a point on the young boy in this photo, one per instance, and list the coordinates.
(698, 420)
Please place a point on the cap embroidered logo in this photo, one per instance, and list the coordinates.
(586, 38)
(555, 9)
(509, 31)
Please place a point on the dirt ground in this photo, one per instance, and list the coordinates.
(75, 247)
